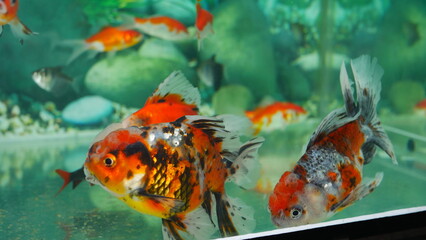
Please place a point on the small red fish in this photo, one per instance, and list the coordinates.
(328, 177)
(162, 27)
(275, 116)
(177, 171)
(203, 23)
(8, 15)
(174, 98)
(108, 39)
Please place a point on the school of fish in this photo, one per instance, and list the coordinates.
(328, 177)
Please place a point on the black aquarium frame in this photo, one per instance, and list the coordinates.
(403, 225)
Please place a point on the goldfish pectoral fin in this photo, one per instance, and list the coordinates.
(359, 192)
(167, 202)
(245, 169)
(233, 216)
(176, 84)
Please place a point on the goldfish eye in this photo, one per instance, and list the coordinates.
(296, 212)
(109, 161)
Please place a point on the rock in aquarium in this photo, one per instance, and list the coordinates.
(87, 110)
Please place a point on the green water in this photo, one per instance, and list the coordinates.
(270, 50)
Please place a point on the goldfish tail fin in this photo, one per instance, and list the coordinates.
(245, 169)
(233, 216)
(176, 87)
(367, 74)
(359, 192)
(75, 177)
(20, 30)
(64, 175)
(78, 48)
(193, 225)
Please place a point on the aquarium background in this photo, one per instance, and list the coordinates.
(268, 50)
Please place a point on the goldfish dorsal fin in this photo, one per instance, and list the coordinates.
(176, 84)
(331, 122)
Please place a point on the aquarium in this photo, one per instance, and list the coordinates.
(255, 80)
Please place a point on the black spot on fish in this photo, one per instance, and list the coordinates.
(352, 180)
(139, 148)
(168, 129)
(144, 134)
(129, 174)
(138, 166)
(188, 139)
(134, 148)
(161, 100)
(106, 179)
(114, 152)
(147, 128)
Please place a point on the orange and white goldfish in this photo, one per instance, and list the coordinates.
(174, 98)
(108, 39)
(177, 171)
(203, 23)
(328, 177)
(275, 116)
(8, 15)
(162, 27)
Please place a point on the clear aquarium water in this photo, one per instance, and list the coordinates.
(259, 52)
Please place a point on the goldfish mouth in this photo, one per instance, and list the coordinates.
(90, 177)
(94, 180)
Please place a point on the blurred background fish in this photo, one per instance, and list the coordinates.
(53, 80)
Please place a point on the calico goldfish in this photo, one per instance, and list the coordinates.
(108, 39)
(175, 97)
(162, 27)
(8, 15)
(275, 116)
(203, 23)
(177, 171)
(328, 177)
